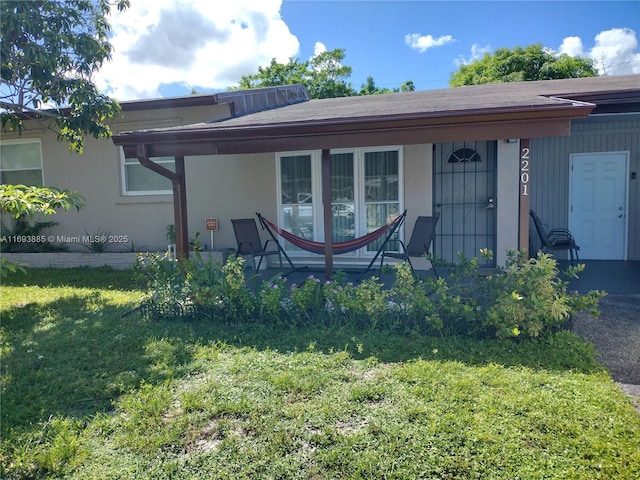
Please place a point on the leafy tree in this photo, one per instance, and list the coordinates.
(275, 74)
(22, 201)
(533, 62)
(324, 76)
(49, 53)
(370, 88)
(408, 86)
(329, 76)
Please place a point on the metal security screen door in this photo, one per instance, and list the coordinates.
(464, 189)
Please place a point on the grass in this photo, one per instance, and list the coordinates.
(89, 393)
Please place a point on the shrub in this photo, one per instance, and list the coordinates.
(534, 299)
(98, 242)
(526, 298)
(191, 288)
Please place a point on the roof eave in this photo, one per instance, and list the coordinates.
(433, 127)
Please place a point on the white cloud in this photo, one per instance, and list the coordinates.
(424, 42)
(572, 46)
(614, 51)
(477, 52)
(319, 48)
(199, 43)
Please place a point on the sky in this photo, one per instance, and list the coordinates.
(166, 48)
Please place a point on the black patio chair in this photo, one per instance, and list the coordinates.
(249, 242)
(419, 244)
(557, 239)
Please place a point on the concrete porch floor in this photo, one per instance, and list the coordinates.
(614, 277)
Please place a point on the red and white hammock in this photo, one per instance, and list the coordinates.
(337, 247)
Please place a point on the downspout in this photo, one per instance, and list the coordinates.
(178, 183)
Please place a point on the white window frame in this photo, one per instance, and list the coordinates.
(361, 172)
(316, 188)
(26, 141)
(124, 162)
(359, 201)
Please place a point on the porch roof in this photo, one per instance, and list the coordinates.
(482, 112)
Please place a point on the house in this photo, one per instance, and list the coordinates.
(480, 156)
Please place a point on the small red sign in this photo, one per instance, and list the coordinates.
(211, 224)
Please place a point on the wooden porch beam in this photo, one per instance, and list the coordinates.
(226, 143)
(180, 210)
(525, 191)
(326, 204)
(179, 196)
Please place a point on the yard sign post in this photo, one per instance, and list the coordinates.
(211, 224)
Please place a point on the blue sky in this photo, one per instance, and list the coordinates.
(168, 47)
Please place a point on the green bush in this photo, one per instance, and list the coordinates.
(534, 299)
(526, 298)
(191, 288)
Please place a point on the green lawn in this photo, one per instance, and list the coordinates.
(88, 392)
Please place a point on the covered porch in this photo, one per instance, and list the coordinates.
(489, 112)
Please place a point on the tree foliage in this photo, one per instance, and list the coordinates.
(22, 200)
(370, 88)
(49, 53)
(324, 76)
(533, 62)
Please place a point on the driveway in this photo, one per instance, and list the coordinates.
(616, 336)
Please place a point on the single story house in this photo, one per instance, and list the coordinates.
(479, 156)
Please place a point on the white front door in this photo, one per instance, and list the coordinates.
(598, 215)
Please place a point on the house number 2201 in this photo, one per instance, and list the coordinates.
(524, 172)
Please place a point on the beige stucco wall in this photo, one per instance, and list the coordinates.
(96, 174)
(507, 201)
(224, 187)
(418, 189)
(418, 181)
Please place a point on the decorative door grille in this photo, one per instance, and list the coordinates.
(464, 193)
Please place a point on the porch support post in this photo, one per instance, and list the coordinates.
(179, 197)
(326, 203)
(180, 210)
(525, 190)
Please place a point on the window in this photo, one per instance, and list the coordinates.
(343, 205)
(21, 162)
(464, 155)
(139, 180)
(382, 193)
(365, 192)
(297, 193)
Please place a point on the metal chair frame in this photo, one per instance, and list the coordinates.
(424, 231)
